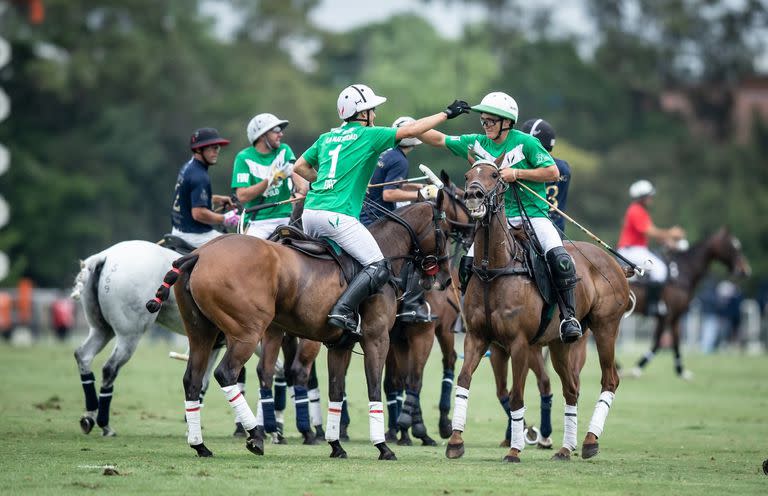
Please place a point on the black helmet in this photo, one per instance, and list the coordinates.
(542, 130)
(206, 136)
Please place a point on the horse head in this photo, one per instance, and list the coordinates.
(484, 190)
(726, 248)
(450, 200)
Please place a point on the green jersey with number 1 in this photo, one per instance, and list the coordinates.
(345, 159)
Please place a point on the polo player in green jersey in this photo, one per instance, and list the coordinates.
(523, 159)
(263, 173)
(345, 158)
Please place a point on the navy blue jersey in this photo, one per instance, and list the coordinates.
(193, 189)
(557, 193)
(392, 166)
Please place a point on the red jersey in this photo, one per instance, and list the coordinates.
(636, 224)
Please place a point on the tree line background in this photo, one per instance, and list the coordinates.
(105, 95)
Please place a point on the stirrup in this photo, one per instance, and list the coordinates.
(412, 314)
(344, 320)
(571, 338)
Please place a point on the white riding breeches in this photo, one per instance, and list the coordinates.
(196, 239)
(346, 231)
(263, 228)
(542, 226)
(657, 272)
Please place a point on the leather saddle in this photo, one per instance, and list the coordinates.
(323, 248)
(538, 269)
(176, 244)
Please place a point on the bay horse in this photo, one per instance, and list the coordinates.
(240, 285)
(687, 268)
(504, 307)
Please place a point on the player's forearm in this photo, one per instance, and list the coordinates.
(305, 170)
(249, 193)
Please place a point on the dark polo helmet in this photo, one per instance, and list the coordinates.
(542, 130)
(206, 136)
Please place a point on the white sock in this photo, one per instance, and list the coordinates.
(243, 412)
(194, 432)
(334, 421)
(601, 412)
(460, 408)
(571, 424)
(517, 436)
(315, 412)
(259, 415)
(376, 421)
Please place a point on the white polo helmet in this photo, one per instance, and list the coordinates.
(400, 121)
(356, 98)
(498, 103)
(262, 123)
(641, 188)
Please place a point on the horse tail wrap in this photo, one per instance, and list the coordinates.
(183, 264)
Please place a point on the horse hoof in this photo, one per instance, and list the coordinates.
(87, 424)
(385, 453)
(107, 431)
(309, 438)
(278, 438)
(531, 435)
(590, 450)
(255, 445)
(239, 430)
(545, 443)
(336, 450)
(454, 451)
(511, 459)
(686, 375)
(405, 440)
(428, 441)
(561, 457)
(390, 436)
(445, 427)
(201, 450)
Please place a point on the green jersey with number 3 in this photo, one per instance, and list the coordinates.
(345, 159)
(523, 151)
(251, 167)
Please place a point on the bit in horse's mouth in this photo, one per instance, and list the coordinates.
(476, 207)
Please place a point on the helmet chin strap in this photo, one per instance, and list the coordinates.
(199, 151)
(502, 128)
(367, 119)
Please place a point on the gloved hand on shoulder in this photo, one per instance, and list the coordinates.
(231, 219)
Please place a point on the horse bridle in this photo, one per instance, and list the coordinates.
(462, 233)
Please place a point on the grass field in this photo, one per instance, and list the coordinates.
(663, 436)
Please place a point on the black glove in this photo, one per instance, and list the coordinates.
(457, 108)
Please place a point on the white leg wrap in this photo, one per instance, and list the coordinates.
(517, 437)
(243, 412)
(194, 432)
(280, 416)
(259, 415)
(601, 412)
(333, 422)
(241, 385)
(460, 408)
(376, 421)
(315, 413)
(571, 423)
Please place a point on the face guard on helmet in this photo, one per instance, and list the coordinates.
(641, 189)
(542, 130)
(500, 104)
(261, 124)
(402, 121)
(357, 98)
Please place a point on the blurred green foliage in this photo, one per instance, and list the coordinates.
(105, 96)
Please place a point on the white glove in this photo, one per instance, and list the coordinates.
(231, 219)
(428, 192)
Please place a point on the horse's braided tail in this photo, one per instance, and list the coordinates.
(183, 264)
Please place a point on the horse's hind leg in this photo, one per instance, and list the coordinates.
(538, 366)
(420, 342)
(645, 359)
(375, 346)
(201, 340)
(84, 354)
(679, 369)
(270, 346)
(226, 374)
(124, 349)
(338, 360)
(605, 340)
(306, 374)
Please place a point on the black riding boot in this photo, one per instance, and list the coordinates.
(564, 275)
(414, 307)
(653, 304)
(366, 283)
(465, 272)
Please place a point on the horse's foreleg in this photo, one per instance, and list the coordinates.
(679, 369)
(474, 349)
(519, 353)
(561, 363)
(499, 360)
(394, 386)
(420, 342)
(270, 349)
(657, 333)
(84, 354)
(338, 360)
(605, 339)
(375, 346)
(537, 365)
(445, 339)
(307, 396)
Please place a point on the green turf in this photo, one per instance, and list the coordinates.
(663, 436)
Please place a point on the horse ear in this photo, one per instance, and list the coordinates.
(439, 199)
(444, 177)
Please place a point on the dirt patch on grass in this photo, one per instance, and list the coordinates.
(52, 403)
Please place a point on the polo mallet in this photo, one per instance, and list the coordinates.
(635, 268)
(184, 357)
(431, 176)
(399, 181)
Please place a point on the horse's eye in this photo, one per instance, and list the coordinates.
(495, 175)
